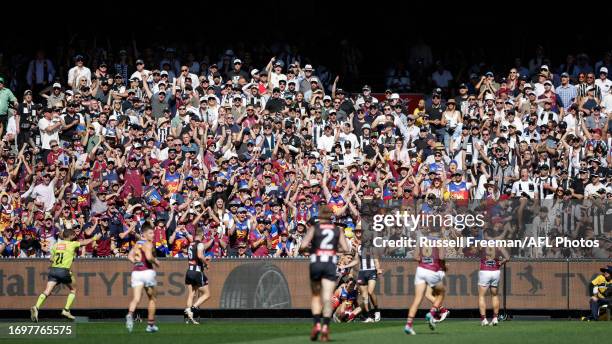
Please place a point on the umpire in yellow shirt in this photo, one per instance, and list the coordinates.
(601, 291)
(62, 256)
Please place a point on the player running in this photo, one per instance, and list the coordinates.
(325, 238)
(491, 260)
(143, 277)
(195, 279)
(369, 269)
(62, 256)
(429, 295)
(431, 262)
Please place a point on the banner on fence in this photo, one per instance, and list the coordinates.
(284, 284)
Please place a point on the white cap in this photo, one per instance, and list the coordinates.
(528, 85)
(58, 85)
(113, 117)
(395, 96)
(603, 70)
(374, 100)
(254, 72)
(489, 96)
(203, 99)
(313, 79)
(327, 98)
(163, 72)
(237, 61)
(544, 67)
(308, 67)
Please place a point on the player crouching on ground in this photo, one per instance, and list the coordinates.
(62, 256)
(143, 277)
(431, 262)
(601, 292)
(326, 238)
(345, 303)
(369, 269)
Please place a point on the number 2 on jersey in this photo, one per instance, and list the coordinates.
(326, 242)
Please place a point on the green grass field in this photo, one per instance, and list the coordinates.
(253, 331)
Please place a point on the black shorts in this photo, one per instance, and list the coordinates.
(4, 120)
(366, 275)
(60, 275)
(196, 278)
(321, 270)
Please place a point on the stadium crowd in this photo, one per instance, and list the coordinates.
(247, 153)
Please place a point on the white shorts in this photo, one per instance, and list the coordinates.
(488, 278)
(144, 277)
(428, 276)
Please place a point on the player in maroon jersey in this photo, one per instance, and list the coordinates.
(491, 261)
(428, 273)
(143, 277)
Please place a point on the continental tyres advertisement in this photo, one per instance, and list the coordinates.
(284, 284)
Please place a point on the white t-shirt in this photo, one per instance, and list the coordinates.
(75, 74)
(538, 89)
(138, 75)
(591, 189)
(604, 85)
(11, 126)
(326, 143)
(43, 193)
(527, 187)
(46, 137)
(571, 123)
(349, 137)
(452, 118)
(274, 78)
(606, 103)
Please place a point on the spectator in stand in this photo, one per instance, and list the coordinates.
(248, 156)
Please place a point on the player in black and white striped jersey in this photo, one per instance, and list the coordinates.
(323, 239)
(195, 279)
(369, 269)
